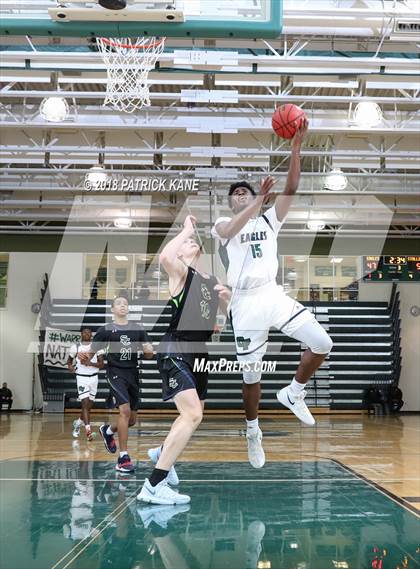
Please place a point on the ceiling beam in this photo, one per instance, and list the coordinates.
(277, 98)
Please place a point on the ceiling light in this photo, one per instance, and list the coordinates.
(9, 76)
(122, 222)
(367, 114)
(316, 224)
(294, 545)
(336, 260)
(121, 257)
(335, 181)
(96, 178)
(300, 259)
(326, 84)
(54, 109)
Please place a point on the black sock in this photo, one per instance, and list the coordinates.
(157, 476)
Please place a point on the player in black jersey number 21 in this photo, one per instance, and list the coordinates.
(123, 340)
(195, 299)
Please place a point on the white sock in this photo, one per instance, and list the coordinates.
(109, 431)
(79, 422)
(122, 453)
(296, 387)
(252, 426)
(87, 427)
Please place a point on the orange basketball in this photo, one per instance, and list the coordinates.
(284, 118)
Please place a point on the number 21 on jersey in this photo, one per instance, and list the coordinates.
(125, 354)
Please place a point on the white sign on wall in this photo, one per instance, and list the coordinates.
(57, 345)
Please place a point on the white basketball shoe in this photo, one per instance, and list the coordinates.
(161, 494)
(296, 404)
(154, 454)
(256, 455)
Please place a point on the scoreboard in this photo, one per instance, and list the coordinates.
(397, 268)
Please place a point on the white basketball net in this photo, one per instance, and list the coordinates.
(128, 63)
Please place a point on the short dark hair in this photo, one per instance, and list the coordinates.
(124, 296)
(85, 328)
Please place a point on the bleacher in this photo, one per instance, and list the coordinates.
(366, 354)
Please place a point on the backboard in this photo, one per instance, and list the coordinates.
(171, 18)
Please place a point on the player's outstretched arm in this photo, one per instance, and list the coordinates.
(284, 201)
(169, 255)
(228, 229)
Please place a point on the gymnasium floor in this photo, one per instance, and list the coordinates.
(343, 494)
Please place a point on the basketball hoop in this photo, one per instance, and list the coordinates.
(128, 63)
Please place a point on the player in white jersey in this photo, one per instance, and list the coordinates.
(87, 380)
(248, 250)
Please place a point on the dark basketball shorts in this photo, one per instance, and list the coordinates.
(178, 375)
(124, 385)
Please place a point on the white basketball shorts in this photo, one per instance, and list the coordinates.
(253, 312)
(87, 386)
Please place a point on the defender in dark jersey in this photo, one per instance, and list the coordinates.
(194, 311)
(195, 298)
(123, 340)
